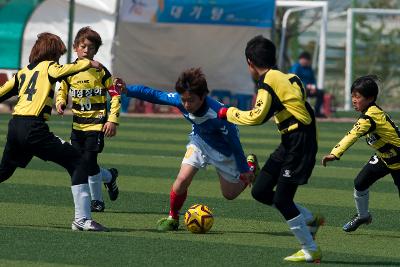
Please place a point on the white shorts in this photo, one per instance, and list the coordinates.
(199, 155)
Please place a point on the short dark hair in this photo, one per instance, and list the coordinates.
(91, 35)
(305, 55)
(261, 52)
(192, 80)
(366, 86)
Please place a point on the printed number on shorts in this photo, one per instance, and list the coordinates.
(189, 152)
(373, 160)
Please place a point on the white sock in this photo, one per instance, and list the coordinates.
(362, 198)
(308, 216)
(106, 175)
(300, 230)
(81, 197)
(95, 184)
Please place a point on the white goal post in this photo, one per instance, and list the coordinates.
(302, 5)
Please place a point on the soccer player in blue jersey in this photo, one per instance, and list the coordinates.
(381, 134)
(212, 141)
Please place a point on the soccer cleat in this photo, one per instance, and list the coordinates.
(167, 224)
(305, 256)
(112, 186)
(88, 225)
(313, 226)
(97, 206)
(355, 222)
(252, 161)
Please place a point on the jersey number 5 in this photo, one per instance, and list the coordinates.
(30, 90)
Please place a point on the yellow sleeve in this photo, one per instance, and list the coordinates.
(62, 93)
(115, 109)
(255, 116)
(8, 89)
(359, 129)
(56, 70)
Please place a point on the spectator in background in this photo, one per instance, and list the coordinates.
(303, 70)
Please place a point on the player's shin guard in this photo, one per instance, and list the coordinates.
(308, 216)
(362, 198)
(176, 202)
(95, 184)
(300, 230)
(106, 175)
(81, 195)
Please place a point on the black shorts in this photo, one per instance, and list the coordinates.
(373, 171)
(294, 160)
(30, 136)
(92, 141)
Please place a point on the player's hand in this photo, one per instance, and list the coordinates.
(118, 87)
(312, 88)
(327, 158)
(60, 108)
(95, 64)
(222, 113)
(247, 177)
(110, 129)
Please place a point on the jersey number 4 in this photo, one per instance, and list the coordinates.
(30, 90)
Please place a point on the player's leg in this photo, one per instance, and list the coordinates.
(95, 143)
(283, 201)
(51, 148)
(231, 186)
(263, 187)
(15, 154)
(94, 180)
(177, 198)
(369, 174)
(231, 182)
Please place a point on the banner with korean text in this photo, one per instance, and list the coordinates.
(157, 39)
(258, 13)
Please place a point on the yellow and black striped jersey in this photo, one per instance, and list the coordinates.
(381, 134)
(88, 90)
(280, 95)
(34, 85)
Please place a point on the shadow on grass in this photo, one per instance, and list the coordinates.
(137, 212)
(48, 226)
(370, 263)
(376, 235)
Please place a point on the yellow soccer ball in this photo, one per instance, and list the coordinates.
(199, 219)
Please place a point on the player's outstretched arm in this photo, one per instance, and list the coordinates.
(153, 95)
(57, 71)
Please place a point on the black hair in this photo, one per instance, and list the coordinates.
(261, 52)
(305, 55)
(192, 80)
(366, 86)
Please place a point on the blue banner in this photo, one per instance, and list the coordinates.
(258, 13)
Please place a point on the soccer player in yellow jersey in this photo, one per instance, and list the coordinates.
(91, 119)
(291, 164)
(381, 134)
(29, 135)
